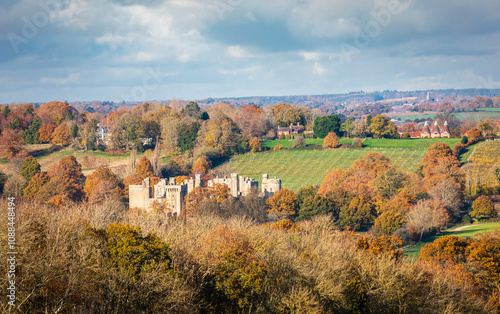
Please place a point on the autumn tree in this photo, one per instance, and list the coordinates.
(390, 182)
(390, 221)
(360, 214)
(482, 208)
(35, 184)
(331, 140)
(426, 216)
(474, 134)
(14, 185)
(201, 165)
(66, 180)
(100, 183)
(283, 203)
(144, 168)
(61, 135)
(439, 159)
(445, 249)
(46, 131)
(382, 127)
(30, 167)
(486, 126)
(132, 253)
(255, 144)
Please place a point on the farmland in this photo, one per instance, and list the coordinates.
(299, 168)
(484, 161)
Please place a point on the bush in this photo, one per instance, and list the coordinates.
(299, 142)
(282, 136)
(357, 142)
(278, 147)
(464, 140)
(331, 140)
(406, 136)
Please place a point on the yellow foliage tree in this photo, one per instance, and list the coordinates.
(284, 203)
(201, 165)
(331, 140)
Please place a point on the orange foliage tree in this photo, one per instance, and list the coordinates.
(66, 179)
(61, 135)
(284, 203)
(201, 165)
(102, 182)
(255, 144)
(331, 140)
(45, 132)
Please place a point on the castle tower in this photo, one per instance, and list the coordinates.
(270, 186)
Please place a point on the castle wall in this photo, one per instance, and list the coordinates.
(270, 186)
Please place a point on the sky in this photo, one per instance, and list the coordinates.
(137, 50)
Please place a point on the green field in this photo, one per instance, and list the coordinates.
(469, 232)
(288, 143)
(299, 168)
(417, 143)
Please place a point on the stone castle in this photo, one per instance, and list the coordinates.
(143, 196)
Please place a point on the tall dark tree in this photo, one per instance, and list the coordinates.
(187, 135)
(326, 124)
(31, 134)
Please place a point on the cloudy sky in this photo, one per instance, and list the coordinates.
(192, 49)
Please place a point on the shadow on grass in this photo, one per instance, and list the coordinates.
(46, 151)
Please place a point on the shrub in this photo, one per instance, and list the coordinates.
(331, 140)
(464, 140)
(299, 142)
(357, 142)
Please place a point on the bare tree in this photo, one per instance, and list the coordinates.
(427, 215)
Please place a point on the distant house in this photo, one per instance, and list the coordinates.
(436, 131)
(412, 134)
(292, 129)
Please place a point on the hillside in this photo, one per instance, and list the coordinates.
(299, 168)
(483, 162)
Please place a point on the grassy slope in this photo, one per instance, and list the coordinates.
(469, 232)
(297, 169)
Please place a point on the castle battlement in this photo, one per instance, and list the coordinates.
(143, 195)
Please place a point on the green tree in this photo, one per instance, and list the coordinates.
(74, 130)
(482, 208)
(193, 110)
(382, 127)
(187, 135)
(91, 135)
(31, 134)
(313, 204)
(6, 111)
(347, 127)
(326, 124)
(30, 167)
(369, 120)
